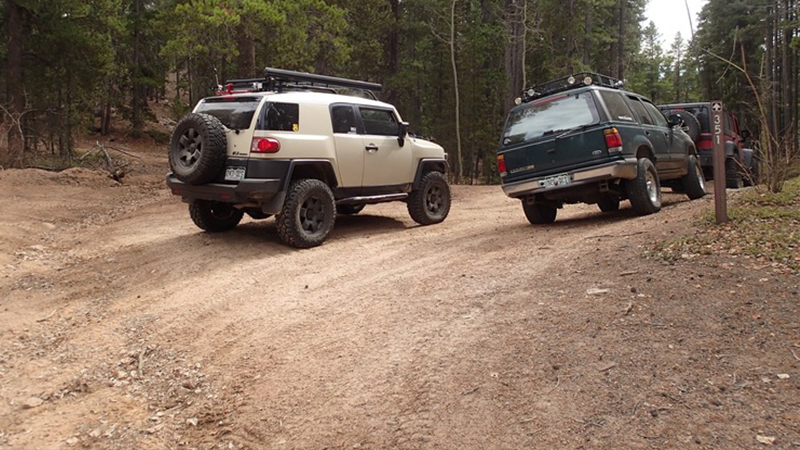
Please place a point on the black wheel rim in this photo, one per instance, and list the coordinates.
(435, 199)
(190, 147)
(312, 215)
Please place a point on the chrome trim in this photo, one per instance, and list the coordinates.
(372, 199)
(625, 169)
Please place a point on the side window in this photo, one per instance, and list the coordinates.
(656, 114)
(344, 119)
(280, 117)
(379, 122)
(617, 107)
(640, 111)
(727, 119)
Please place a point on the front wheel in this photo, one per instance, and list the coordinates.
(214, 217)
(308, 214)
(430, 204)
(539, 214)
(644, 191)
(694, 184)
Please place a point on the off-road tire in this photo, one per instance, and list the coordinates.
(430, 204)
(733, 174)
(694, 183)
(539, 214)
(308, 214)
(644, 191)
(609, 204)
(198, 149)
(691, 125)
(349, 210)
(214, 217)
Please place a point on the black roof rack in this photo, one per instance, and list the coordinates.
(571, 82)
(279, 80)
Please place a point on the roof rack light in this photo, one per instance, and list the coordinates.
(570, 82)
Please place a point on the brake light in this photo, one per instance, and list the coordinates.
(501, 165)
(613, 140)
(705, 143)
(265, 145)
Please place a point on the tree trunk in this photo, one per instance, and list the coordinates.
(138, 99)
(15, 93)
(515, 50)
(621, 41)
(587, 39)
(246, 61)
(460, 172)
(393, 47)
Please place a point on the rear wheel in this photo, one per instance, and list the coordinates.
(609, 204)
(733, 174)
(430, 204)
(349, 210)
(694, 184)
(308, 214)
(644, 191)
(539, 214)
(214, 217)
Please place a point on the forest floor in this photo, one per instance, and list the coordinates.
(124, 326)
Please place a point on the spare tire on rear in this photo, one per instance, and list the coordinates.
(198, 149)
(691, 125)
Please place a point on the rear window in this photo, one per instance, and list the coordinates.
(280, 117)
(236, 113)
(550, 116)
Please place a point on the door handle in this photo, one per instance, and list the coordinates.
(372, 148)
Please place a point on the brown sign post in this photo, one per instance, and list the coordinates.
(720, 196)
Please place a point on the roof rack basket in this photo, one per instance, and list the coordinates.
(570, 82)
(279, 80)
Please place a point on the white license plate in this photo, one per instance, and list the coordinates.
(556, 181)
(235, 173)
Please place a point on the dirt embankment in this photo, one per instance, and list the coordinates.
(124, 326)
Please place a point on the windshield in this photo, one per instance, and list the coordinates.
(236, 113)
(550, 116)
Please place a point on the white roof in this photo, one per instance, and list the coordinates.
(307, 97)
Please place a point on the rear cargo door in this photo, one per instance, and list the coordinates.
(556, 134)
(237, 114)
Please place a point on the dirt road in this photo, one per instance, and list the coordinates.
(124, 326)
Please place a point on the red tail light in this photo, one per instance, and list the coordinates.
(265, 145)
(613, 140)
(501, 165)
(706, 142)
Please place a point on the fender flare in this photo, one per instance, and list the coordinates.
(428, 165)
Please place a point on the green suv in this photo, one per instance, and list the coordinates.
(583, 139)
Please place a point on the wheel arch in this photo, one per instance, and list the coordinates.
(428, 165)
(316, 169)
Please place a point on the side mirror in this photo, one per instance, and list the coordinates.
(745, 134)
(675, 121)
(402, 132)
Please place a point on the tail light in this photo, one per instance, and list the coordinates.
(706, 142)
(265, 145)
(613, 140)
(501, 165)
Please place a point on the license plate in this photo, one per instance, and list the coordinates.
(235, 173)
(556, 181)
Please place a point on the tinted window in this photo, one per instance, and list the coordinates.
(280, 117)
(617, 107)
(550, 116)
(379, 122)
(236, 113)
(344, 119)
(641, 112)
(656, 114)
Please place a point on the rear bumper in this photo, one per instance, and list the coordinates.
(625, 169)
(260, 191)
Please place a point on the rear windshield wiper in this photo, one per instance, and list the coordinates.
(563, 132)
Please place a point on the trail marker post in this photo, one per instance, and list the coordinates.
(720, 195)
